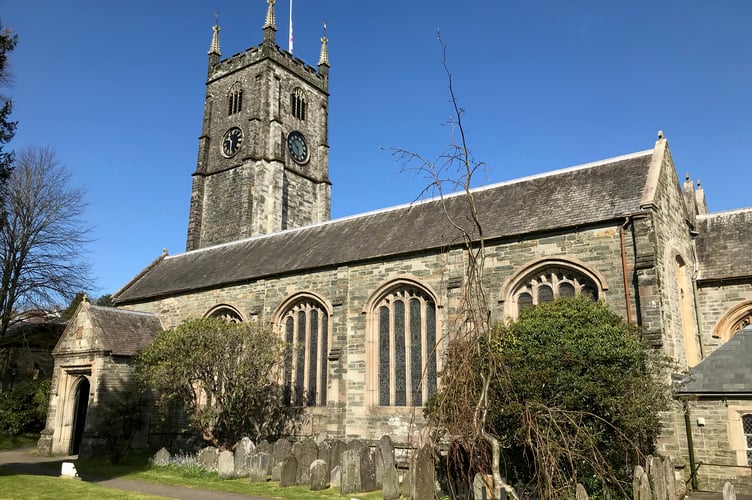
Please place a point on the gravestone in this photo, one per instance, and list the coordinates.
(207, 458)
(282, 449)
(162, 457)
(226, 465)
(243, 452)
(390, 483)
(259, 467)
(289, 471)
(350, 472)
(423, 475)
(337, 447)
(368, 470)
(641, 484)
(729, 492)
(265, 447)
(305, 451)
(384, 458)
(319, 475)
(654, 466)
(335, 478)
(480, 488)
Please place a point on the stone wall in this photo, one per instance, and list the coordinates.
(348, 293)
(719, 443)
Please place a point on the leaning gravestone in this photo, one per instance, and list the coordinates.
(207, 458)
(282, 450)
(244, 450)
(424, 475)
(319, 475)
(162, 457)
(259, 467)
(226, 465)
(305, 451)
(350, 472)
(289, 471)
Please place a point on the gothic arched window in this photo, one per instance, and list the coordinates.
(549, 283)
(235, 99)
(225, 312)
(305, 330)
(406, 340)
(298, 104)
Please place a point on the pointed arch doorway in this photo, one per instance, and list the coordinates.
(80, 407)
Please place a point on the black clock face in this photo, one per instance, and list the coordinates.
(297, 146)
(231, 142)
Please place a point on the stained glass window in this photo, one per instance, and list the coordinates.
(406, 333)
(306, 332)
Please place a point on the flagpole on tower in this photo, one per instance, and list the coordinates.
(290, 45)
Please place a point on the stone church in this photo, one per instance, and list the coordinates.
(366, 300)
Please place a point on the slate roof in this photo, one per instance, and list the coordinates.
(723, 244)
(571, 197)
(725, 372)
(124, 332)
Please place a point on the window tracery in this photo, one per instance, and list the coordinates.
(549, 283)
(226, 313)
(305, 330)
(406, 340)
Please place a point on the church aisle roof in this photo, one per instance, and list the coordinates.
(572, 197)
(725, 371)
(723, 244)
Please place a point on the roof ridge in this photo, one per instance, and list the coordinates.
(418, 202)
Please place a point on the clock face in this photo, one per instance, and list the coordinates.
(231, 142)
(297, 146)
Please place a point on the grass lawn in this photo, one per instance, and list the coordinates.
(55, 488)
(139, 469)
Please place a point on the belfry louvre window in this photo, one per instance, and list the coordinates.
(306, 332)
(406, 335)
(235, 99)
(747, 427)
(552, 283)
(298, 104)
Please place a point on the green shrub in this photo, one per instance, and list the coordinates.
(23, 409)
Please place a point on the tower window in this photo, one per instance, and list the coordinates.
(298, 104)
(235, 99)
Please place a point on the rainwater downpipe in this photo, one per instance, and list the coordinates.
(627, 220)
(698, 319)
(690, 444)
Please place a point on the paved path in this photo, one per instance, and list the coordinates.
(22, 462)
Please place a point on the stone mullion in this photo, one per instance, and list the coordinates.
(408, 353)
(392, 355)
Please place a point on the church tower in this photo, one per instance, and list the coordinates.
(263, 154)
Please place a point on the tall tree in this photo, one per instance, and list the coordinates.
(8, 41)
(42, 236)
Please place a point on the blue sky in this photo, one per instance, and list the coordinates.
(117, 89)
